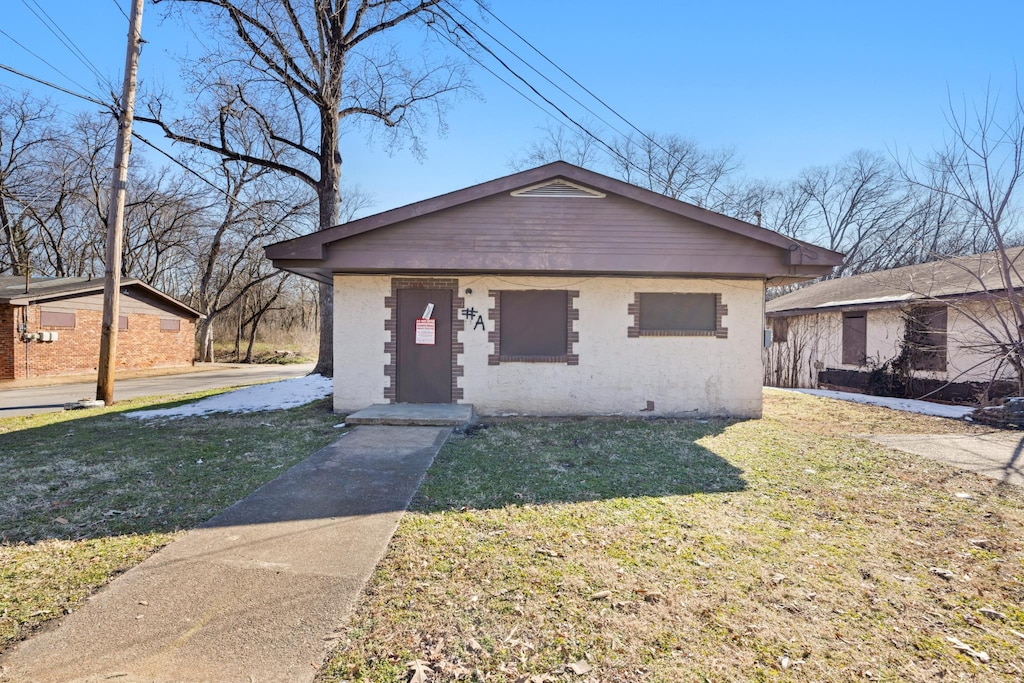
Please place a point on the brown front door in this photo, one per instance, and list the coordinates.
(424, 373)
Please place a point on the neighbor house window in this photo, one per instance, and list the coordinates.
(855, 338)
(533, 326)
(925, 337)
(172, 325)
(122, 322)
(56, 319)
(780, 330)
(677, 314)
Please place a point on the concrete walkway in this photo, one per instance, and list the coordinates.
(259, 592)
(997, 455)
(20, 398)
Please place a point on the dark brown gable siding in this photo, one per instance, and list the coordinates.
(543, 234)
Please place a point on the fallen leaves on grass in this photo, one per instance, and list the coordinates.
(980, 655)
(419, 671)
(580, 668)
(723, 558)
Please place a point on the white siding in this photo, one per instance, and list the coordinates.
(815, 342)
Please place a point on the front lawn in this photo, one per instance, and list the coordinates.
(777, 549)
(86, 495)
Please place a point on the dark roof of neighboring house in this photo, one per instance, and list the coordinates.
(942, 279)
(12, 291)
(482, 229)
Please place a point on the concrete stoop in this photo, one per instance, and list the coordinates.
(418, 414)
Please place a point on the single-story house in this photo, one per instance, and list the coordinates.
(51, 326)
(936, 314)
(554, 291)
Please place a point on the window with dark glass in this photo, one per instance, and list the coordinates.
(780, 330)
(855, 338)
(925, 337)
(534, 325)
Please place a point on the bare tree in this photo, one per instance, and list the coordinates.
(558, 143)
(979, 170)
(253, 210)
(675, 167)
(858, 206)
(26, 134)
(283, 78)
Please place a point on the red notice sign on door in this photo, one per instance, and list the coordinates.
(426, 331)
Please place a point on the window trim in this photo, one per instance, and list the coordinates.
(572, 336)
(720, 331)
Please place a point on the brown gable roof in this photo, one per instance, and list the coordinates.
(608, 227)
(12, 291)
(945, 278)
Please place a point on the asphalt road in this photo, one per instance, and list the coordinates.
(32, 400)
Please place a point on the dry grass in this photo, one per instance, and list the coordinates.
(87, 495)
(777, 549)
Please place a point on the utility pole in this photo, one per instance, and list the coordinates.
(115, 211)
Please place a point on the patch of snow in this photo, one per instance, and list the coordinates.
(874, 300)
(907, 405)
(288, 393)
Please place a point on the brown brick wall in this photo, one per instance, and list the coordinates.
(9, 344)
(142, 345)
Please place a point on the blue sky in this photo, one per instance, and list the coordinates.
(788, 84)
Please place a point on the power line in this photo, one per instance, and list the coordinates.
(536, 70)
(120, 9)
(614, 153)
(518, 76)
(66, 40)
(48, 84)
(711, 187)
(15, 41)
(586, 131)
(560, 69)
(135, 135)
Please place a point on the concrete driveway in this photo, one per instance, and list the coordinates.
(996, 454)
(18, 401)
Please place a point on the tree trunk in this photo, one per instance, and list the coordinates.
(325, 353)
(252, 337)
(327, 194)
(205, 334)
(238, 330)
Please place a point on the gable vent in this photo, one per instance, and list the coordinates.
(557, 188)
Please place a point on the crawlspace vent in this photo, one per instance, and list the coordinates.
(558, 188)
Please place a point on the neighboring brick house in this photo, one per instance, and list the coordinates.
(552, 291)
(154, 330)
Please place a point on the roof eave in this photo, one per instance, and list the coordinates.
(96, 287)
